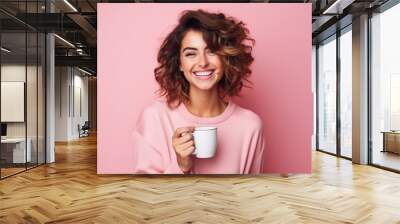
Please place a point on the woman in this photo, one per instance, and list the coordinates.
(203, 62)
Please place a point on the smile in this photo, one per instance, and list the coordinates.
(204, 75)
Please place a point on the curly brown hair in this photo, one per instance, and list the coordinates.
(223, 35)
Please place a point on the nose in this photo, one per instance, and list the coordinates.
(203, 60)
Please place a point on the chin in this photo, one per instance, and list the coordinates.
(204, 87)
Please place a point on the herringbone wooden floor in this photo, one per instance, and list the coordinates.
(70, 191)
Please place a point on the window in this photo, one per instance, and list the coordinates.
(346, 93)
(327, 95)
(385, 88)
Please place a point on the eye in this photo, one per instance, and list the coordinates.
(190, 54)
(212, 53)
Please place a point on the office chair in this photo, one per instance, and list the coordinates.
(84, 130)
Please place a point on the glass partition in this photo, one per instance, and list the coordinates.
(22, 77)
(327, 95)
(41, 111)
(13, 108)
(32, 95)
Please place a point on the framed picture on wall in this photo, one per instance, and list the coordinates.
(12, 101)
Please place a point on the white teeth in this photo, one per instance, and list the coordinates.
(205, 73)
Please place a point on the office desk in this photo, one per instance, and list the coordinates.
(15, 148)
(391, 141)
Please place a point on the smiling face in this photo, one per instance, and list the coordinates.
(202, 68)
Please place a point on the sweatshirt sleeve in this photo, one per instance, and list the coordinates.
(258, 159)
(150, 145)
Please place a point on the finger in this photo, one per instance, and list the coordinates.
(187, 152)
(184, 139)
(178, 132)
(182, 147)
(187, 145)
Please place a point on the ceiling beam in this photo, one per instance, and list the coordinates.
(337, 7)
(85, 25)
(85, 61)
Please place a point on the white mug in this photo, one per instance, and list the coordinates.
(205, 142)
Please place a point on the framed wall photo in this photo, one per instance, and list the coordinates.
(267, 129)
(12, 101)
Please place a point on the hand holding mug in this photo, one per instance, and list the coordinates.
(183, 144)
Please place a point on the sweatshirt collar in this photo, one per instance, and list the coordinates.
(207, 120)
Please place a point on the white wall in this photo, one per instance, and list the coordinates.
(71, 93)
(62, 81)
(81, 102)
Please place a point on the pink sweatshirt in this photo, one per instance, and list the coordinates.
(240, 141)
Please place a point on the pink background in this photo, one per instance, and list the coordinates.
(129, 36)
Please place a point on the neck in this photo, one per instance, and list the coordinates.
(205, 103)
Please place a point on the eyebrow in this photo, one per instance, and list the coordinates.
(189, 48)
(193, 48)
